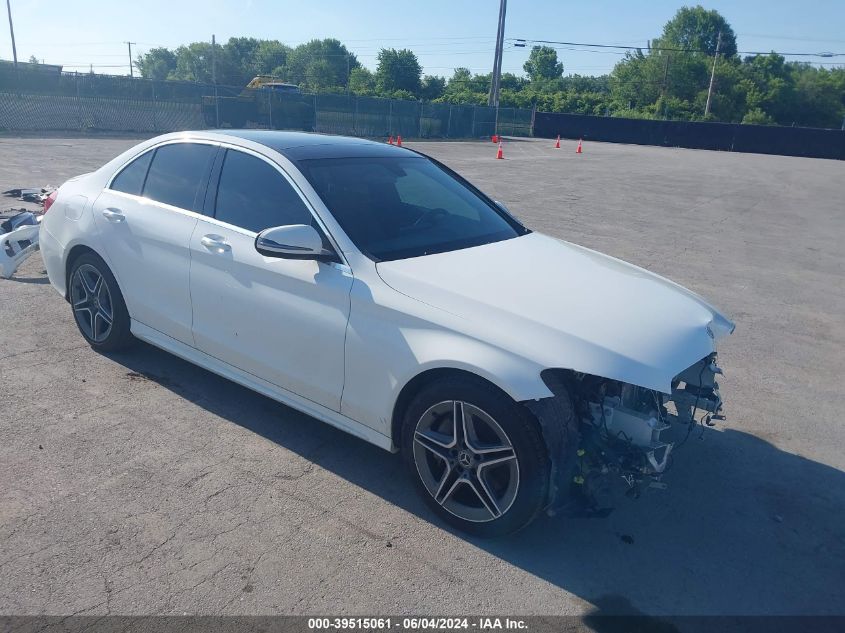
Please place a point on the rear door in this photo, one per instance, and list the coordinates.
(146, 217)
(282, 320)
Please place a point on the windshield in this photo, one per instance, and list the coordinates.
(394, 208)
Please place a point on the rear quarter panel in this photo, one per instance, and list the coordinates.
(68, 223)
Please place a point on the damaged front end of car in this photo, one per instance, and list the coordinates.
(600, 431)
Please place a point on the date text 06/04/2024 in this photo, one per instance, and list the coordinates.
(416, 623)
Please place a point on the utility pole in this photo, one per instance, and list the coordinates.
(713, 75)
(493, 98)
(665, 81)
(12, 31)
(214, 80)
(131, 71)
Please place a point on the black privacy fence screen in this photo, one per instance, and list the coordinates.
(733, 137)
(35, 101)
(42, 100)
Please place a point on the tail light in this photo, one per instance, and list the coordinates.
(49, 200)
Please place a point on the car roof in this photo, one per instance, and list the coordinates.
(296, 146)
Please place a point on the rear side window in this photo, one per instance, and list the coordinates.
(254, 196)
(177, 174)
(131, 178)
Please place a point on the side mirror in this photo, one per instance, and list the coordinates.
(293, 241)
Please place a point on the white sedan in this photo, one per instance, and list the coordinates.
(374, 289)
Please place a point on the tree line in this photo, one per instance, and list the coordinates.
(667, 80)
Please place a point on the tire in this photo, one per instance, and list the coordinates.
(491, 476)
(95, 298)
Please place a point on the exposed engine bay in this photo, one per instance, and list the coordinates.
(624, 433)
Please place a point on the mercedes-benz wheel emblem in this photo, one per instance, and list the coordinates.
(465, 459)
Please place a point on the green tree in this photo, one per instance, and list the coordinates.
(322, 75)
(580, 83)
(157, 63)
(542, 64)
(637, 80)
(819, 95)
(319, 64)
(398, 70)
(510, 82)
(769, 87)
(665, 83)
(362, 82)
(238, 56)
(651, 83)
(729, 92)
(193, 63)
(757, 117)
(463, 87)
(432, 87)
(270, 55)
(697, 29)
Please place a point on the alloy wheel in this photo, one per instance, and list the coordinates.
(92, 303)
(466, 461)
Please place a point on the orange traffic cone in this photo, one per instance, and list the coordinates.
(579, 151)
(495, 138)
(399, 140)
(390, 140)
(557, 142)
(500, 154)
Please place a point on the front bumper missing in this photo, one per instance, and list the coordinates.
(618, 430)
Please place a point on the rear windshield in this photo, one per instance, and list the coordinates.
(395, 208)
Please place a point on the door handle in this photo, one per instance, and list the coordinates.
(215, 243)
(113, 215)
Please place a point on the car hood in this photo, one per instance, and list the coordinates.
(563, 305)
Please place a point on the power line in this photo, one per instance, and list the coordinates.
(790, 37)
(669, 49)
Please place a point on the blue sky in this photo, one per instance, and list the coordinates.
(444, 33)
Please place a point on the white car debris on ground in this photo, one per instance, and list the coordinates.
(19, 228)
(19, 242)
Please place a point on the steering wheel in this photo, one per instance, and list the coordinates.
(430, 213)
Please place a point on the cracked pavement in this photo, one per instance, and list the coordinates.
(139, 484)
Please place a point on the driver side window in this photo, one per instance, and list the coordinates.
(419, 189)
(254, 196)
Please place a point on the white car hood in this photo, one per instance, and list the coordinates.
(562, 305)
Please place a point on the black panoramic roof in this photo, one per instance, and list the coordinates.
(296, 146)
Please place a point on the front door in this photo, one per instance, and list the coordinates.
(281, 320)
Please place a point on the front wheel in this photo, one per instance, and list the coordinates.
(98, 306)
(476, 456)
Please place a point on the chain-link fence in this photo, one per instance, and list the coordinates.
(32, 99)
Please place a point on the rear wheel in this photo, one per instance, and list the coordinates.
(476, 456)
(98, 306)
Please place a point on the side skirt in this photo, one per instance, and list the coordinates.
(221, 368)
